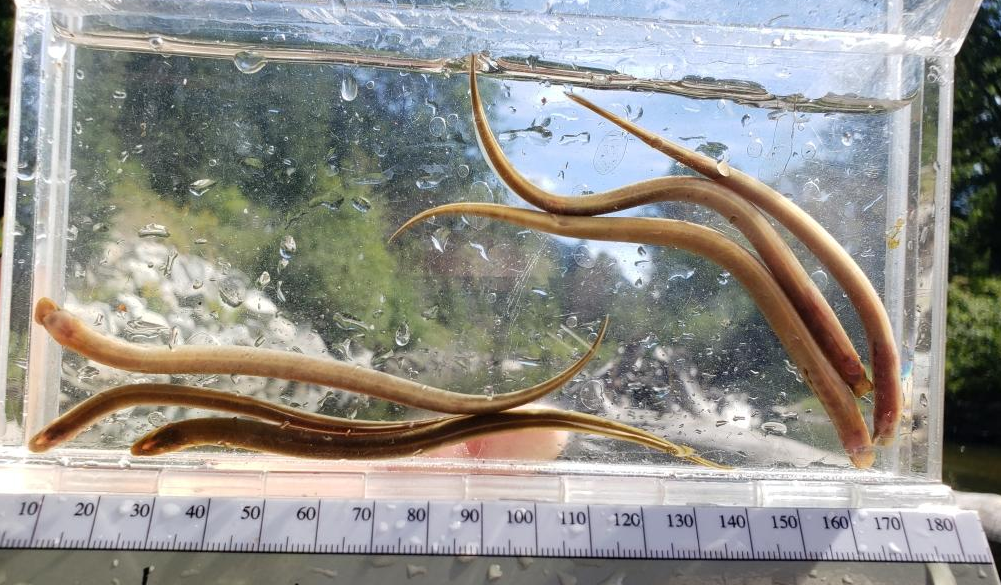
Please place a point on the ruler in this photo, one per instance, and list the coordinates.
(488, 528)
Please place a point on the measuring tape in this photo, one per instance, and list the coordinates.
(491, 528)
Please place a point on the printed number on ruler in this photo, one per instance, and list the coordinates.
(489, 528)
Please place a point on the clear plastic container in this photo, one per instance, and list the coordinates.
(230, 173)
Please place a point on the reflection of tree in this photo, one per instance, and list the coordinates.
(974, 330)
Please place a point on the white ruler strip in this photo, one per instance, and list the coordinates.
(505, 528)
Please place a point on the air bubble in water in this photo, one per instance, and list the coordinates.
(846, 138)
(592, 395)
(349, 88)
(119, 94)
(681, 273)
(745, 120)
(820, 278)
(571, 321)
(403, 334)
(361, 204)
(579, 138)
(156, 43)
(755, 148)
(87, 373)
(774, 428)
(154, 230)
(231, 293)
(200, 187)
(723, 278)
(609, 153)
(249, 61)
(437, 127)
(812, 191)
(370, 85)
(264, 279)
(809, 150)
(80, 74)
(156, 418)
(288, 247)
(584, 257)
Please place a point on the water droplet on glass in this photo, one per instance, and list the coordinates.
(200, 187)
(349, 88)
(154, 230)
(755, 148)
(809, 150)
(431, 313)
(437, 127)
(819, 278)
(71, 233)
(370, 85)
(923, 400)
(249, 61)
(584, 257)
(641, 251)
(491, 298)
(156, 43)
(774, 428)
(361, 204)
(197, 284)
(403, 334)
(745, 120)
(156, 418)
(571, 321)
(494, 572)
(723, 278)
(80, 74)
(119, 94)
(846, 138)
(288, 247)
(263, 280)
(634, 115)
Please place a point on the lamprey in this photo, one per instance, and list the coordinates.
(100, 405)
(774, 252)
(816, 370)
(883, 352)
(298, 442)
(73, 334)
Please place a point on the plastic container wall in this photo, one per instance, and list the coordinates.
(231, 175)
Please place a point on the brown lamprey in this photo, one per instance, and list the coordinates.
(100, 405)
(297, 442)
(883, 352)
(774, 252)
(818, 373)
(73, 334)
